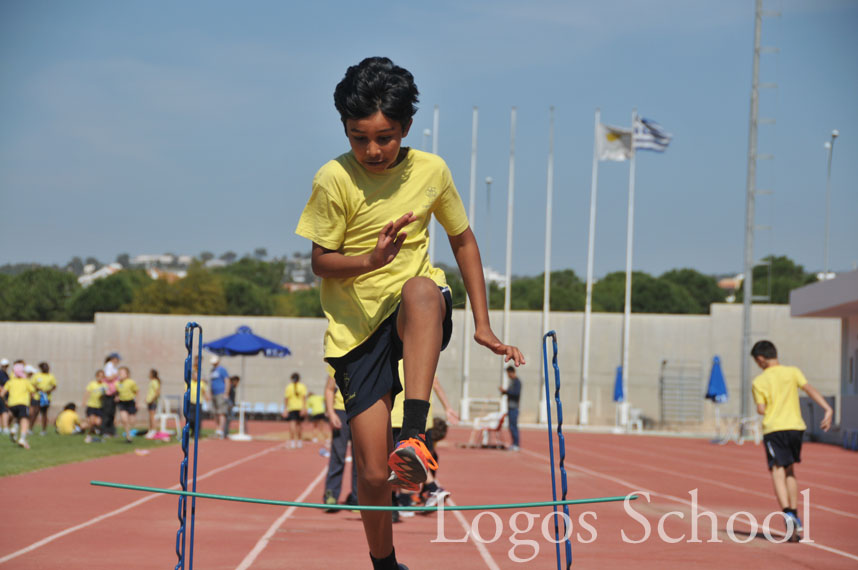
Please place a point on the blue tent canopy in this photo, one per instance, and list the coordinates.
(245, 343)
(618, 386)
(717, 389)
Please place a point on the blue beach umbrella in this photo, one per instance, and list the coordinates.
(245, 343)
(717, 389)
(618, 386)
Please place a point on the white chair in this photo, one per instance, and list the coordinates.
(486, 428)
(166, 414)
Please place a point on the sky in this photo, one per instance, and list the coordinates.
(182, 127)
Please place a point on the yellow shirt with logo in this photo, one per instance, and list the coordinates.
(294, 395)
(66, 422)
(20, 391)
(347, 210)
(154, 390)
(44, 382)
(316, 404)
(95, 389)
(396, 411)
(127, 390)
(777, 387)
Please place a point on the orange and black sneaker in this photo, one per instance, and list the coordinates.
(410, 463)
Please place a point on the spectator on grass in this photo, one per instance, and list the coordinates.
(316, 413)
(340, 438)
(217, 383)
(19, 390)
(68, 422)
(197, 385)
(513, 395)
(153, 394)
(127, 393)
(231, 400)
(45, 383)
(4, 409)
(94, 399)
(108, 404)
(295, 403)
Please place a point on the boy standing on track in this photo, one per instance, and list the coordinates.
(776, 394)
(383, 300)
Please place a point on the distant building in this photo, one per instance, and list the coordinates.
(91, 275)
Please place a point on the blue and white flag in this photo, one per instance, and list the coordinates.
(649, 135)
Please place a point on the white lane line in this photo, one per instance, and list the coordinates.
(129, 506)
(686, 502)
(263, 542)
(481, 548)
(712, 481)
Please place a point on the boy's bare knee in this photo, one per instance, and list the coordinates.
(373, 478)
(422, 292)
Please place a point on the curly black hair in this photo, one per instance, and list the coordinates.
(377, 84)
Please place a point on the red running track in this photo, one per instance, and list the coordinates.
(57, 518)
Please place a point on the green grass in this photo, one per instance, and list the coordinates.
(53, 449)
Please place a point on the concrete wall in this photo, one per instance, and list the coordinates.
(157, 341)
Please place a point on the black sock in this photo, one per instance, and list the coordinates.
(414, 414)
(791, 511)
(430, 487)
(386, 563)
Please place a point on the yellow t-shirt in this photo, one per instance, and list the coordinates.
(204, 390)
(348, 208)
(777, 388)
(154, 390)
(294, 395)
(20, 390)
(396, 411)
(66, 422)
(95, 389)
(127, 390)
(44, 382)
(316, 404)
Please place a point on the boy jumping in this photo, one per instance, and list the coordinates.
(776, 394)
(383, 299)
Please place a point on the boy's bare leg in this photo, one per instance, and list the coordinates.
(372, 443)
(419, 325)
(779, 481)
(792, 487)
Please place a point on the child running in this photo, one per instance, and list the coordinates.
(18, 389)
(776, 394)
(383, 299)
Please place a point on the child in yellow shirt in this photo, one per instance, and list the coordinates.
(126, 389)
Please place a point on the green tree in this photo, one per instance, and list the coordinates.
(75, 266)
(200, 292)
(229, 256)
(107, 295)
(268, 276)
(246, 298)
(124, 260)
(777, 277)
(260, 253)
(649, 295)
(567, 291)
(40, 294)
(703, 288)
(206, 256)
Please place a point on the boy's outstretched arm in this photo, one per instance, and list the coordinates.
(825, 424)
(330, 263)
(467, 255)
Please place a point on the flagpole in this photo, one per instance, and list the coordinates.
(584, 402)
(464, 412)
(509, 212)
(436, 118)
(546, 285)
(627, 312)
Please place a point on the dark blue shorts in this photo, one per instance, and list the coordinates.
(293, 416)
(19, 412)
(783, 448)
(129, 406)
(94, 412)
(153, 406)
(371, 370)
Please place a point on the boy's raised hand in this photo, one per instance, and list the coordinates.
(390, 241)
(488, 339)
